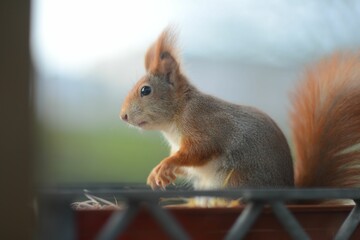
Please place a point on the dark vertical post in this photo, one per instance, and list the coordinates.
(16, 202)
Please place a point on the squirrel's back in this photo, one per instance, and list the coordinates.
(251, 145)
(326, 124)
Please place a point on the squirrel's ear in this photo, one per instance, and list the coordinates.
(149, 57)
(162, 57)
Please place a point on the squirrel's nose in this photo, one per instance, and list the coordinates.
(124, 117)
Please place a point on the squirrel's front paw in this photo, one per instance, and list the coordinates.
(161, 176)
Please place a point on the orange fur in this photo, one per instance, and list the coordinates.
(326, 124)
(208, 145)
(162, 59)
(192, 154)
(155, 60)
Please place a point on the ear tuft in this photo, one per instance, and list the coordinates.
(149, 56)
(162, 56)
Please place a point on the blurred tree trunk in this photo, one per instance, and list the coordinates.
(16, 158)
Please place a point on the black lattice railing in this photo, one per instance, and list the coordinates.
(56, 218)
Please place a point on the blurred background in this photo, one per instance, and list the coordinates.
(88, 54)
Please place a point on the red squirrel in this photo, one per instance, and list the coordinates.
(217, 144)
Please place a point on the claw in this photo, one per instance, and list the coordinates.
(161, 176)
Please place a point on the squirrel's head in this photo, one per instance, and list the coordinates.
(155, 98)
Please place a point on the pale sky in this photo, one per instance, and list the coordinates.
(73, 35)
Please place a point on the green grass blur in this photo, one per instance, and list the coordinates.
(110, 154)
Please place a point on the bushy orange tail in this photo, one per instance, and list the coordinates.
(326, 124)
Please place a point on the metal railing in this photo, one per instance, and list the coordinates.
(56, 218)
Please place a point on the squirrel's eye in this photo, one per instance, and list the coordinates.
(146, 90)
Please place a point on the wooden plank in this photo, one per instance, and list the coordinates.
(16, 203)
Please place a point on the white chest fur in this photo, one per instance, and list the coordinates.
(205, 177)
(202, 178)
(173, 136)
